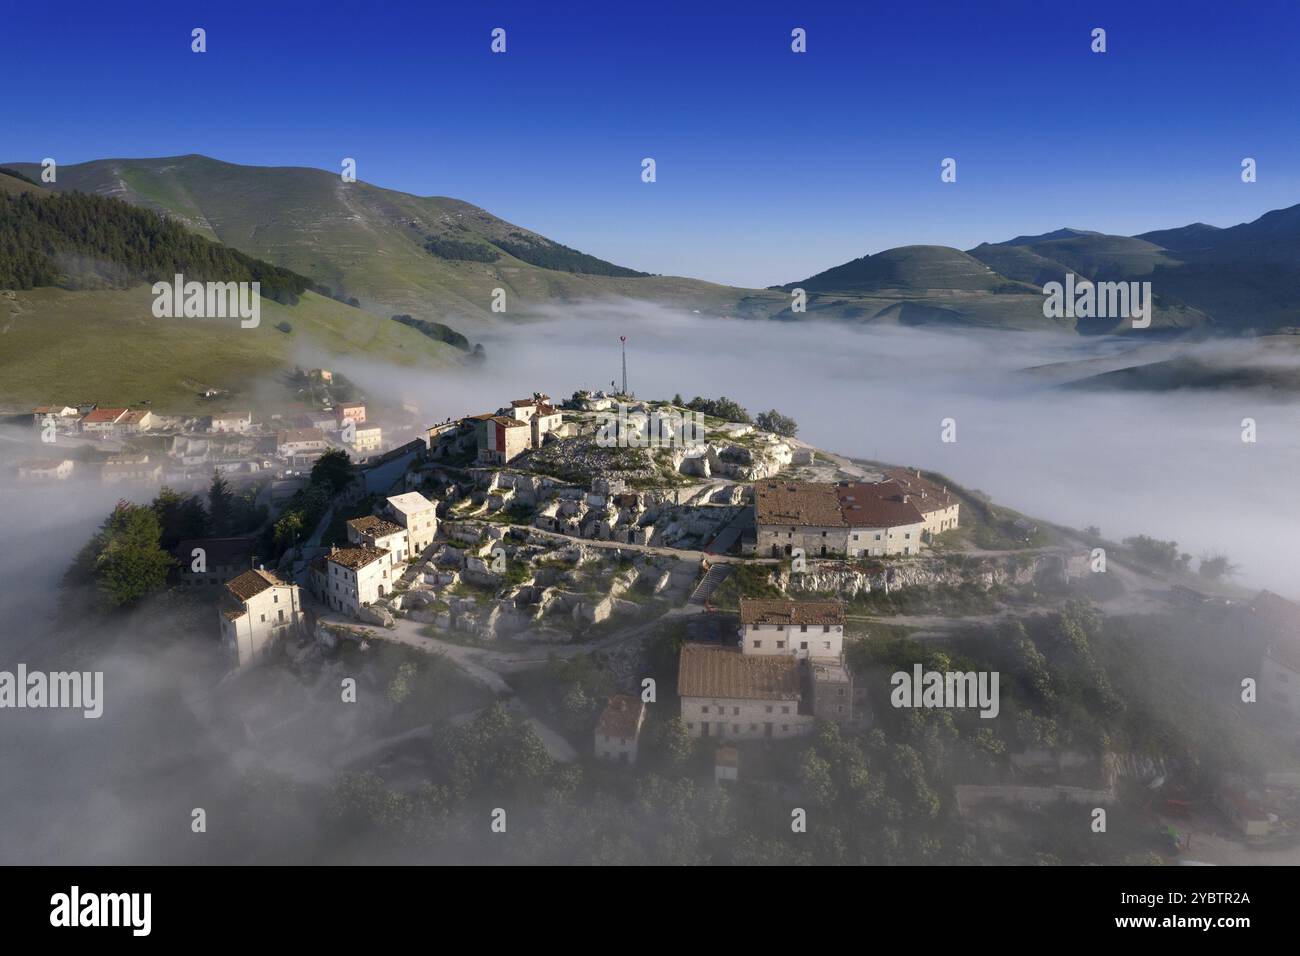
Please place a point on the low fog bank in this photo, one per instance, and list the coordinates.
(121, 789)
(1171, 465)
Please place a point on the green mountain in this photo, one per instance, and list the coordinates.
(1245, 278)
(433, 257)
(438, 260)
(908, 270)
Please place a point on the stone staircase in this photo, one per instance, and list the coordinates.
(713, 577)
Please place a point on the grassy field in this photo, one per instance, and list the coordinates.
(106, 347)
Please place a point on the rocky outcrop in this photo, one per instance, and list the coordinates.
(375, 614)
(847, 579)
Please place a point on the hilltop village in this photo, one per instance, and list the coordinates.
(619, 570)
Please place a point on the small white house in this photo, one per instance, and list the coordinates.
(356, 577)
(258, 609)
(418, 515)
(372, 532)
(297, 441)
(800, 629)
(231, 422)
(619, 728)
(45, 469)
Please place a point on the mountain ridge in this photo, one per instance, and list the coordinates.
(443, 259)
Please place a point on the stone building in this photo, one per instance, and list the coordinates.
(800, 629)
(418, 515)
(258, 610)
(725, 693)
(297, 441)
(843, 519)
(355, 578)
(936, 503)
(502, 436)
(619, 728)
(788, 670)
(373, 532)
(238, 423)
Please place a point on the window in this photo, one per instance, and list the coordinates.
(735, 711)
(826, 645)
(735, 728)
(785, 710)
(803, 645)
(780, 627)
(803, 628)
(780, 645)
(753, 727)
(769, 708)
(826, 628)
(704, 709)
(758, 644)
(840, 692)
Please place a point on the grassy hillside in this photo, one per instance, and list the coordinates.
(908, 269)
(439, 259)
(375, 244)
(13, 183)
(57, 345)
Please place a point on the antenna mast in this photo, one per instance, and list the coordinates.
(623, 340)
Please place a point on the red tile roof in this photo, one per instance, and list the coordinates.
(356, 558)
(858, 504)
(786, 612)
(621, 716)
(707, 670)
(252, 583)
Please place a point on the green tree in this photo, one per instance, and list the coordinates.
(773, 421)
(676, 744)
(128, 562)
(333, 471)
(220, 505)
(1214, 567)
(816, 780)
(399, 688)
(288, 529)
(180, 517)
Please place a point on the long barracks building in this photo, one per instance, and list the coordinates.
(851, 518)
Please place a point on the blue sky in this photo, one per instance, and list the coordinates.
(771, 165)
